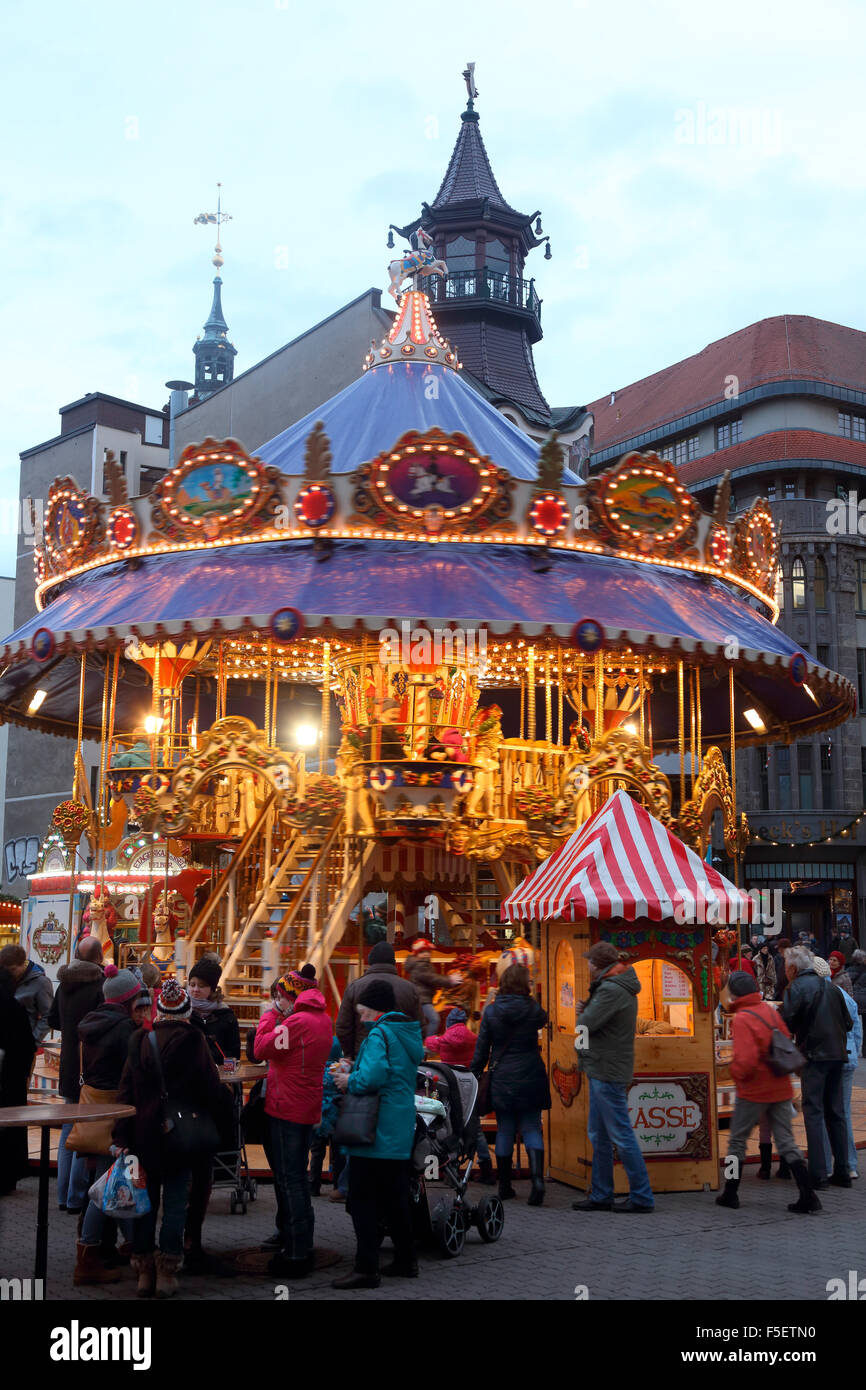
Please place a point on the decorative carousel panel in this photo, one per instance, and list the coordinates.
(755, 545)
(216, 490)
(435, 481)
(72, 526)
(643, 504)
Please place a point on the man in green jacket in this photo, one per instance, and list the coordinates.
(604, 1043)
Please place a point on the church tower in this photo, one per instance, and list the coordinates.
(214, 354)
(485, 306)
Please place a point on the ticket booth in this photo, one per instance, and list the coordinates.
(631, 901)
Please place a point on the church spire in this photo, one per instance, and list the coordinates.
(214, 354)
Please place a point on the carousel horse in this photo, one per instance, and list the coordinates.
(99, 920)
(162, 954)
(420, 261)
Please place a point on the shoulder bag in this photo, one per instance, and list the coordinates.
(485, 1084)
(783, 1054)
(187, 1133)
(91, 1136)
(358, 1119)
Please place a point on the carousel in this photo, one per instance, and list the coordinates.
(402, 650)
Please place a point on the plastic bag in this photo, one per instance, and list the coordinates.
(122, 1191)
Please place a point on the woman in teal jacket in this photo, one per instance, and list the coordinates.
(387, 1064)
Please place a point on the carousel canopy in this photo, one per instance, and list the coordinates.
(623, 863)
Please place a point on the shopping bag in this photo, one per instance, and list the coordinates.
(122, 1191)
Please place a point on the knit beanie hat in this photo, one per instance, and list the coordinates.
(173, 1001)
(382, 954)
(455, 1016)
(378, 995)
(837, 961)
(143, 1000)
(821, 968)
(119, 986)
(308, 972)
(602, 954)
(294, 982)
(208, 970)
(740, 982)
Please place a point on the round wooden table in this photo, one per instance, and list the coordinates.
(46, 1118)
(245, 1072)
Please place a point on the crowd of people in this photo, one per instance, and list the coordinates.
(348, 1086)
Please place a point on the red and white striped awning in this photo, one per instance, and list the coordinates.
(623, 863)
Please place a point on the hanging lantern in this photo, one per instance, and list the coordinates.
(622, 697)
(175, 661)
(390, 241)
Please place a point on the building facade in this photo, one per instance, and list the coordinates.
(780, 407)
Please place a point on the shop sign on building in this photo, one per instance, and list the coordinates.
(670, 1115)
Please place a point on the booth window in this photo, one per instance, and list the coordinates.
(665, 1005)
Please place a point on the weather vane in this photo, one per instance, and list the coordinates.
(214, 219)
(469, 79)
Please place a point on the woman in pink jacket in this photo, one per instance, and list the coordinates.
(295, 1037)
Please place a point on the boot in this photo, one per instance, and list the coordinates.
(144, 1267)
(807, 1200)
(503, 1170)
(536, 1173)
(166, 1274)
(317, 1163)
(729, 1197)
(783, 1170)
(486, 1177)
(766, 1152)
(89, 1268)
(356, 1280)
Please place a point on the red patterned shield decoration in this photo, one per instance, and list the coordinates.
(315, 504)
(123, 528)
(42, 646)
(567, 1082)
(548, 514)
(719, 547)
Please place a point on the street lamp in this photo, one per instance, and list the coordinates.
(305, 736)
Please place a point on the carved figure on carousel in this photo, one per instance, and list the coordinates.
(352, 775)
(487, 726)
(100, 919)
(421, 260)
(162, 954)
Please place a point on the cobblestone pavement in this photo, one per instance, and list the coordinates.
(689, 1249)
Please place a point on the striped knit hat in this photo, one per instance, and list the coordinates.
(173, 1001)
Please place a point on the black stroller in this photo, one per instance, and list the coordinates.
(446, 1135)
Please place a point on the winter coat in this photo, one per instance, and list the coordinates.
(348, 1026)
(855, 1037)
(331, 1096)
(456, 1046)
(818, 1017)
(846, 945)
(610, 1018)
(765, 973)
(104, 1035)
(220, 1027)
(857, 976)
(17, 1047)
(781, 977)
(191, 1082)
(519, 1081)
(387, 1064)
(742, 963)
(752, 1031)
(79, 992)
(297, 1046)
(426, 980)
(36, 993)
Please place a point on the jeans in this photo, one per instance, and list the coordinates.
(609, 1124)
(509, 1122)
(93, 1225)
(823, 1104)
(847, 1087)
(79, 1178)
(343, 1179)
(175, 1191)
(482, 1148)
(64, 1160)
(379, 1196)
(430, 1022)
(777, 1116)
(290, 1145)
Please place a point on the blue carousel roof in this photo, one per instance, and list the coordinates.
(369, 417)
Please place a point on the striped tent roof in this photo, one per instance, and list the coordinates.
(623, 863)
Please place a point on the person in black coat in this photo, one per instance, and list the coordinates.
(79, 992)
(818, 1017)
(519, 1089)
(857, 976)
(220, 1027)
(17, 1048)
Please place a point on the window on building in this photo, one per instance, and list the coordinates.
(861, 679)
(861, 586)
(820, 586)
(783, 771)
(822, 652)
(686, 449)
(826, 777)
(798, 584)
(779, 592)
(732, 502)
(460, 254)
(149, 478)
(852, 426)
(804, 775)
(764, 778)
(728, 434)
(790, 487)
(498, 257)
(771, 492)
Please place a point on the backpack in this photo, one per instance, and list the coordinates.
(783, 1054)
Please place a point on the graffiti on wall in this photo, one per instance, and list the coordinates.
(21, 857)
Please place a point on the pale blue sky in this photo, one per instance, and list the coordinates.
(698, 167)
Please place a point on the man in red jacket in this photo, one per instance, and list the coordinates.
(295, 1036)
(759, 1090)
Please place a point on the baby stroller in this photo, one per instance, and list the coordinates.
(446, 1135)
